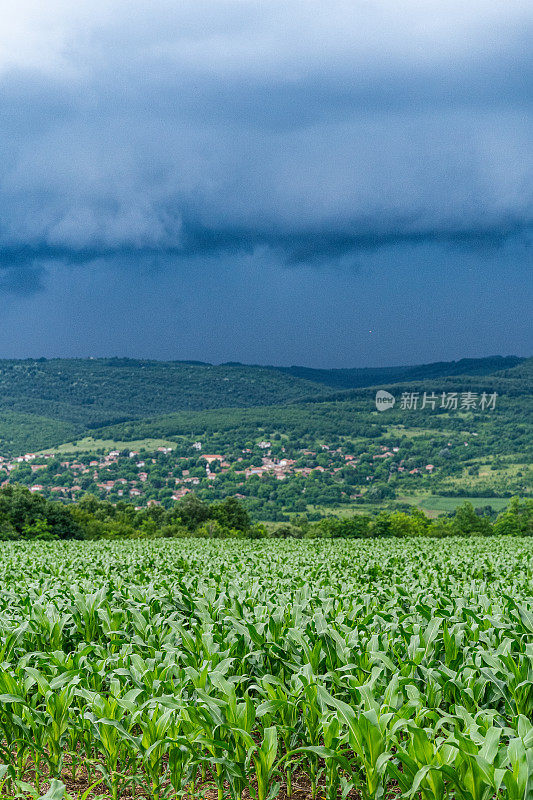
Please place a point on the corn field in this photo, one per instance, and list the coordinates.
(236, 669)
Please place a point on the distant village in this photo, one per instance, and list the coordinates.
(167, 474)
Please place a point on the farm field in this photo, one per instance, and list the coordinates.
(432, 505)
(89, 445)
(229, 669)
(446, 504)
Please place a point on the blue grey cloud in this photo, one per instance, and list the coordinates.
(144, 131)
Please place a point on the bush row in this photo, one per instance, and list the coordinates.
(27, 515)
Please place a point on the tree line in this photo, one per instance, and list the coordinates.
(25, 515)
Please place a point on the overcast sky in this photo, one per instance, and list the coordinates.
(322, 183)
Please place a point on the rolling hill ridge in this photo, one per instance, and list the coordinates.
(46, 402)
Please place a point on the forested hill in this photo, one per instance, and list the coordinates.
(352, 411)
(100, 391)
(358, 378)
(46, 402)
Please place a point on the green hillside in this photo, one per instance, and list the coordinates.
(352, 415)
(356, 378)
(280, 442)
(44, 403)
(95, 391)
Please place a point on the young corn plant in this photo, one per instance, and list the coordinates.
(369, 735)
(215, 739)
(334, 753)
(239, 718)
(17, 706)
(418, 761)
(155, 724)
(283, 707)
(57, 720)
(518, 778)
(118, 747)
(263, 757)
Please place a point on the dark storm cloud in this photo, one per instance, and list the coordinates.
(150, 132)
